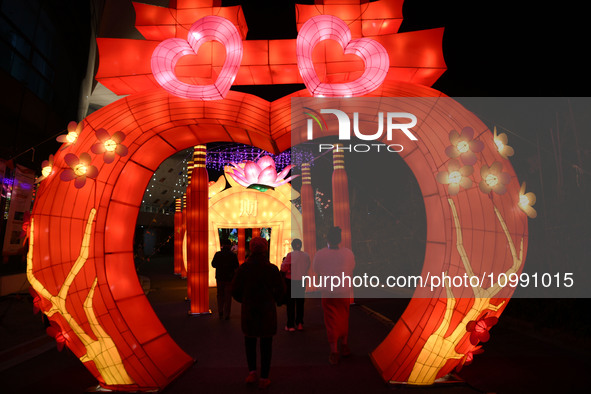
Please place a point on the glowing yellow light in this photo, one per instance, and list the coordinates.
(216, 187)
(240, 207)
(441, 345)
(455, 177)
(491, 180)
(102, 350)
(463, 146)
(501, 142)
(526, 202)
(110, 145)
(80, 169)
(500, 145)
(45, 171)
(72, 137)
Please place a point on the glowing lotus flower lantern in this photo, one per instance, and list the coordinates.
(261, 175)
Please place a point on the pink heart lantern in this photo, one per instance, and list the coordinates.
(328, 27)
(168, 52)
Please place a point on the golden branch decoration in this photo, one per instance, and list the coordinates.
(438, 349)
(102, 351)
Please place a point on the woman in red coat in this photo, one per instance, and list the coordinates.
(258, 286)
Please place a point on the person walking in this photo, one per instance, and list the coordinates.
(225, 263)
(258, 286)
(328, 262)
(295, 265)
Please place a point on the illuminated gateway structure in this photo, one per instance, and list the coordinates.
(80, 261)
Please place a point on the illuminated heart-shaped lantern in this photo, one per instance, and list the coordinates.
(328, 27)
(168, 52)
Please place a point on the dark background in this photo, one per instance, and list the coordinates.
(492, 48)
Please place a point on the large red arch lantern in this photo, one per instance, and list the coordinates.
(80, 259)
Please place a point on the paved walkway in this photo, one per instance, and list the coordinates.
(515, 361)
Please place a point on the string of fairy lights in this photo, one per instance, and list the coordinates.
(219, 157)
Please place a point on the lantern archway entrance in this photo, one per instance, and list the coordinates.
(81, 256)
(239, 207)
(81, 252)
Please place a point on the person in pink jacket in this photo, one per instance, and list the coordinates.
(335, 261)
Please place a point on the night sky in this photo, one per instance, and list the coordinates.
(492, 48)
